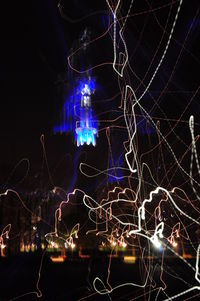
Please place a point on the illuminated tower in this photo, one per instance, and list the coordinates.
(77, 114)
(86, 127)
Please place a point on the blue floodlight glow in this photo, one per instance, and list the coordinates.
(68, 118)
(115, 173)
(144, 127)
(78, 116)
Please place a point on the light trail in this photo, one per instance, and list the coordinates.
(150, 211)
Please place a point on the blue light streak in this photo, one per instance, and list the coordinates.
(115, 173)
(68, 118)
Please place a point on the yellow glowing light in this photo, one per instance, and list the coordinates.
(186, 256)
(53, 244)
(113, 243)
(57, 259)
(129, 259)
(124, 245)
(73, 246)
(22, 248)
(3, 246)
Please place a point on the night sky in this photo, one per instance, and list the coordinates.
(35, 43)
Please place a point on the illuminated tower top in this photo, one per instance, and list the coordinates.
(77, 115)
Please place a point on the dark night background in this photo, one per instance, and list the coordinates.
(35, 41)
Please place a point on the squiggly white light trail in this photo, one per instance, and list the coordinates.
(144, 214)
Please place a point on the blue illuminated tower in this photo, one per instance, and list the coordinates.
(77, 114)
(86, 127)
